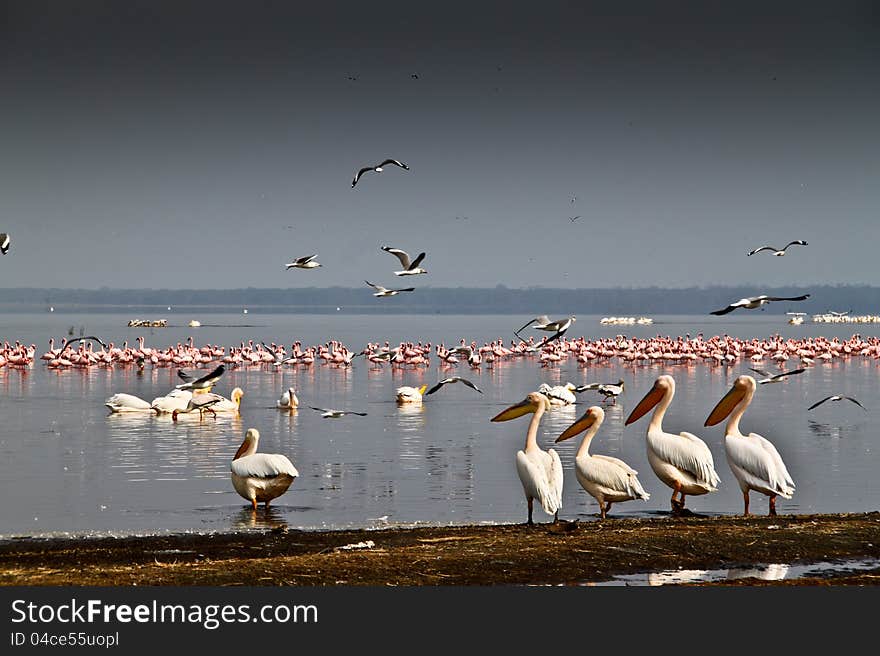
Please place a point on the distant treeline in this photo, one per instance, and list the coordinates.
(860, 299)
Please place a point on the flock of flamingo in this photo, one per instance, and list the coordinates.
(681, 461)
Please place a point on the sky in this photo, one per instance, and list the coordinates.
(205, 145)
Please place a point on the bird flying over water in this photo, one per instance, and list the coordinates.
(753, 302)
(378, 168)
(543, 323)
(384, 291)
(329, 413)
(775, 378)
(453, 379)
(574, 218)
(779, 252)
(410, 267)
(304, 262)
(206, 382)
(4, 242)
(837, 397)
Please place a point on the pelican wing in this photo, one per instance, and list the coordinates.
(555, 476)
(263, 465)
(759, 458)
(688, 453)
(534, 475)
(613, 474)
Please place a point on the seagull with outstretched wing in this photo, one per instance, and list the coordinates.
(779, 252)
(330, 413)
(837, 397)
(384, 291)
(410, 267)
(378, 168)
(304, 262)
(775, 378)
(453, 379)
(206, 382)
(753, 302)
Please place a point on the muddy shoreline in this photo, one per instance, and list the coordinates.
(565, 553)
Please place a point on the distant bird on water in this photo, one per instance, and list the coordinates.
(304, 262)
(453, 379)
(378, 168)
(753, 302)
(410, 267)
(837, 397)
(384, 291)
(779, 252)
(4, 242)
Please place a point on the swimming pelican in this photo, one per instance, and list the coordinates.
(175, 400)
(753, 459)
(539, 471)
(407, 394)
(683, 461)
(378, 168)
(223, 404)
(288, 400)
(410, 268)
(127, 403)
(260, 477)
(608, 480)
(753, 302)
(559, 394)
(304, 262)
(779, 252)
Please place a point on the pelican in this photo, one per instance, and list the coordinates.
(127, 403)
(304, 262)
(175, 400)
(288, 400)
(539, 471)
(378, 168)
(453, 379)
(683, 461)
(222, 403)
(206, 382)
(608, 480)
(384, 291)
(260, 477)
(837, 397)
(753, 459)
(779, 252)
(753, 302)
(558, 395)
(330, 413)
(410, 267)
(407, 394)
(4, 242)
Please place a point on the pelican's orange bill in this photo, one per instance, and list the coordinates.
(725, 406)
(579, 426)
(651, 399)
(514, 411)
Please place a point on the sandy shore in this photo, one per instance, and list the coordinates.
(565, 553)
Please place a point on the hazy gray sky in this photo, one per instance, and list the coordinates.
(186, 145)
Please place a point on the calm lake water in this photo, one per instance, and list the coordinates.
(67, 467)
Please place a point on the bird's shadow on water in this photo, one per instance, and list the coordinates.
(271, 518)
(821, 429)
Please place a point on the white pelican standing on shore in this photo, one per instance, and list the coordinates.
(608, 480)
(753, 459)
(683, 461)
(539, 471)
(260, 477)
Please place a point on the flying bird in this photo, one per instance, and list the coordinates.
(206, 382)
(305, 262)
(378, 168)
(329, 413)
(837, 397)
(574, 218)
(753, 302)
(410, 268)
(543, 323)
(779, 252)
(4, 242)
(384, 291)
(453, 379)
(775, 378)
(79, 339)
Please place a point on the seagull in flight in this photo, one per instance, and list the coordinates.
(453, 379)
(543, 323)
(378, 168)
(206, 382)
(4, 242)
(304, 262)
(410, 268)
(384, 291)
(837, 397)
(574, 218)
(79, 339)
(775, 378)
(329, 413)
(753, 302)
(779, 252)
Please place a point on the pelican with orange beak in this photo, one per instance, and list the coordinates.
(753, 459)
(539, 471)
(260, 477)
(683, 461)
(608, 480)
